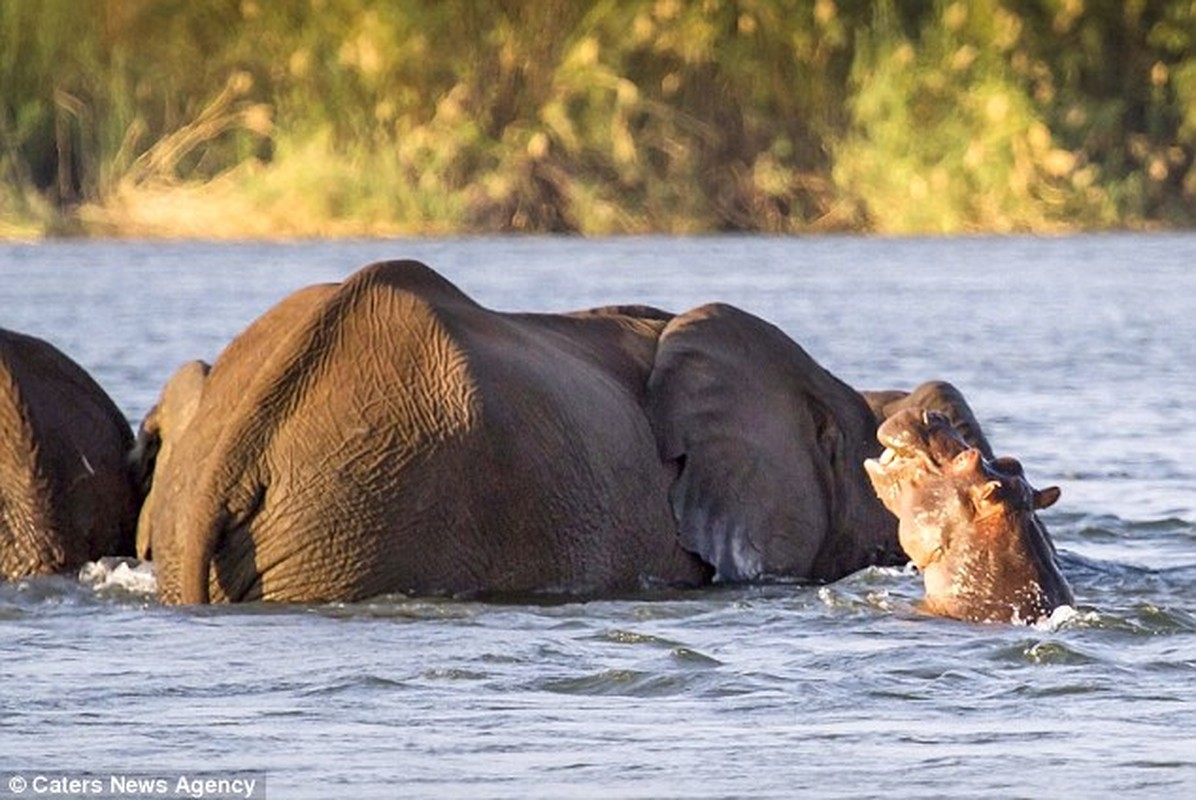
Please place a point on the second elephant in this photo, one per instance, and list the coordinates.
(388, 434)
(65, 494)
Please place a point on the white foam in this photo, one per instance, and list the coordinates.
(123, 574)
(1057, 618)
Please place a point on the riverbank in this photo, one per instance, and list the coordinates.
(259, 202)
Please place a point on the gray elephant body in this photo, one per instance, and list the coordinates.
(65, 494)
(388, 434)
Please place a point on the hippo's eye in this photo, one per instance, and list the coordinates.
(1010, 493)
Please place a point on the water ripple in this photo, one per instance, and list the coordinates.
(772, 691)
(621, 683)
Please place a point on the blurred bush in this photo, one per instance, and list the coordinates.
(299, 117)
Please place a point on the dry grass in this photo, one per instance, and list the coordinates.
(219, 209)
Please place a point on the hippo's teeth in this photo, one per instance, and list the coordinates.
(888, 456)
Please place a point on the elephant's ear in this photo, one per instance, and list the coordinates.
(166, 421)
(764, 440)
(157, 436)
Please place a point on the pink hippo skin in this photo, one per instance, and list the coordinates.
(968, 523)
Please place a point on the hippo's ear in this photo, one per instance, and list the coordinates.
(770, 449)
(1045, 498)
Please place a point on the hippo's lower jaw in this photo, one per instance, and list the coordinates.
(896, 478)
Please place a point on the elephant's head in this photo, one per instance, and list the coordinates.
(968, 523)
(768, 447)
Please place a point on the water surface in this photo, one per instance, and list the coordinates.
(1077, 354)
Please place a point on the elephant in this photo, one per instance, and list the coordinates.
(65, 491)
(769, 448)
(388, 434)
(968, 522)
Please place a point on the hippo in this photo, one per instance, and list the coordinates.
(967, 522)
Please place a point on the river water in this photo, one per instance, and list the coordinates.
(1078, 354)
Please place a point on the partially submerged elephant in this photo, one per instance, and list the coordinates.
(65, 494)
(389, 434)
(968, 522)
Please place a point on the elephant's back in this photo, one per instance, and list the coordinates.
(562, 401)
(516, 456)
(65, 494)
(394, 436)
(304, 436)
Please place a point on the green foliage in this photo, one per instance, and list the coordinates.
(1024, 116)
(943, 136)
(363, 116)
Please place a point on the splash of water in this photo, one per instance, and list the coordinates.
(119, 575)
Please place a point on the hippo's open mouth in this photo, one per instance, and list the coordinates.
(885, 467)
(915, 442)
